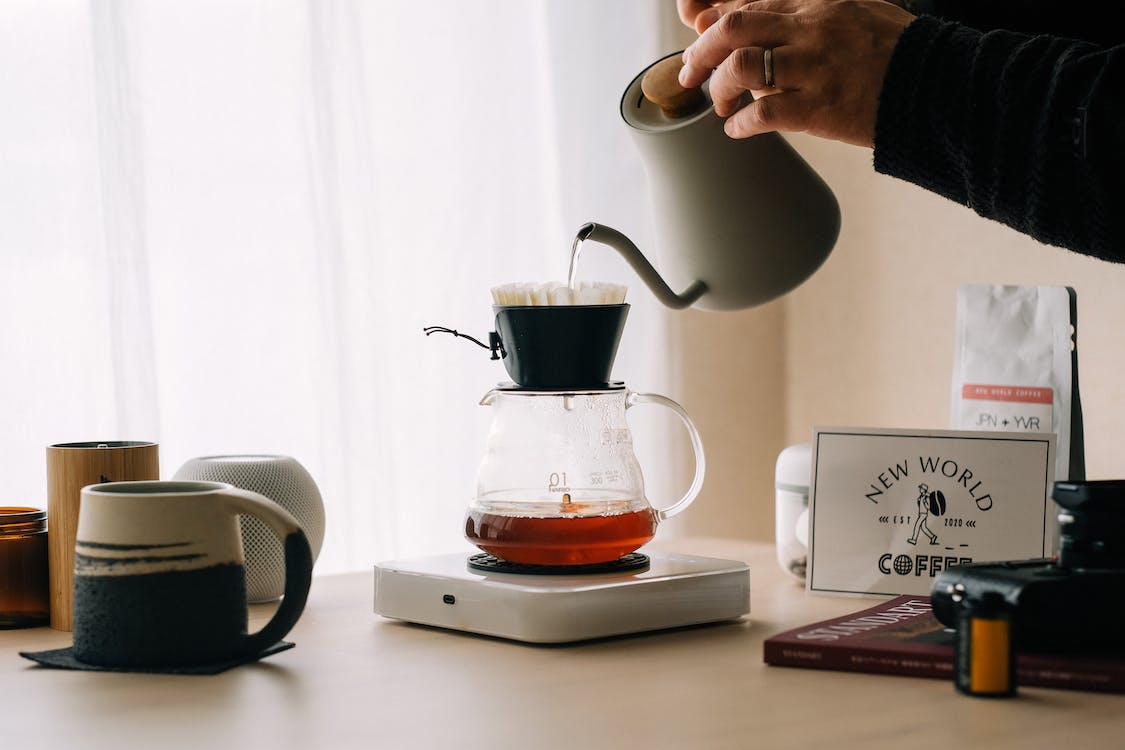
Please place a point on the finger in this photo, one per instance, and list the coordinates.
(745, 27)
(776, 6)
(743, 70)
(787, 110)
(707, 19)
(690, 10)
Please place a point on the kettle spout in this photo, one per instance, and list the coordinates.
(639, 263)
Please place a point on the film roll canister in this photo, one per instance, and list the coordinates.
(985, 661)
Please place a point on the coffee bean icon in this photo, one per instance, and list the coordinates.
(936, 502)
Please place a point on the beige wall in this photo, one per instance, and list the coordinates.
(734, 386)
(869, 339)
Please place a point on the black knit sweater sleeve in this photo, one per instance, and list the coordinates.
(1093, 22)
(1024, 129)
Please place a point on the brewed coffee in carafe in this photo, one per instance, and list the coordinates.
(559, 483)
(560, 540)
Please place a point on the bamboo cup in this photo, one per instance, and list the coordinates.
(70, 467)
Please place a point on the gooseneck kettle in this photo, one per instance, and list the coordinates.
(739, 222)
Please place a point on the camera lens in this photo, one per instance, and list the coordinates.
(1091, 523)
(1091, 539)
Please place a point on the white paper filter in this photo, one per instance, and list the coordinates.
(558, 293)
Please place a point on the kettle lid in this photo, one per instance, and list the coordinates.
(656, 101)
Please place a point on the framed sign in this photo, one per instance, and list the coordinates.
(890, 509)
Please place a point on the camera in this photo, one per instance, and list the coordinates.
(1073, 602)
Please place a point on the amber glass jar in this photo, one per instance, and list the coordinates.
(24, 585)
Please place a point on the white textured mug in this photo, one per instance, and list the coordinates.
(160, 579)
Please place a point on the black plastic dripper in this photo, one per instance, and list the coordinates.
(560, 346)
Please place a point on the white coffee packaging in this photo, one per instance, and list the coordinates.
(1015, 366)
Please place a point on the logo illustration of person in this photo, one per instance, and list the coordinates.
(925, 498)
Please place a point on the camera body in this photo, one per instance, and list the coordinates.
(1075, 602)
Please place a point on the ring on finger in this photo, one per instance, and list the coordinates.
(767, 66)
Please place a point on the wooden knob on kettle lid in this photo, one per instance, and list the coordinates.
(661, 86)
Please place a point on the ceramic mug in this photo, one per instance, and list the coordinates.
(160, 575)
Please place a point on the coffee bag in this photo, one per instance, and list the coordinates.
(1015, 366)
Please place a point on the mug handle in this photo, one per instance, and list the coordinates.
(696, 445)
(298, 563)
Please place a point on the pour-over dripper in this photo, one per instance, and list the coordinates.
(566, 346)
(551, 347)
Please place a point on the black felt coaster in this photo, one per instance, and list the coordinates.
(63, 658)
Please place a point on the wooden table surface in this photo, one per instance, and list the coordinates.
(356, 680)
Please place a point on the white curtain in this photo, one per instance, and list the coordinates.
(224, 225)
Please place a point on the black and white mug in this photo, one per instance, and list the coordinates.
(160, 574)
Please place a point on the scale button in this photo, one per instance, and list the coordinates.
(449, 598)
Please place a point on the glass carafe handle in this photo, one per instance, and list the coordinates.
(696, 445)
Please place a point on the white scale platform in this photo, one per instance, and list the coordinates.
(674, 591)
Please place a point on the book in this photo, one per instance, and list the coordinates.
(901, 636)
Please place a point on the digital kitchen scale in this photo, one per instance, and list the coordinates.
(641, 592)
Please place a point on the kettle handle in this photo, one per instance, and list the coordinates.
(696, 445)
(639, 263)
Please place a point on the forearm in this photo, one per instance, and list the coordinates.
(1029, 131)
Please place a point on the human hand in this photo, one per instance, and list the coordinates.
(829, 59)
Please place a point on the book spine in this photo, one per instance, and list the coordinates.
(1070, 678)
(1030, 672)
(856, 660)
